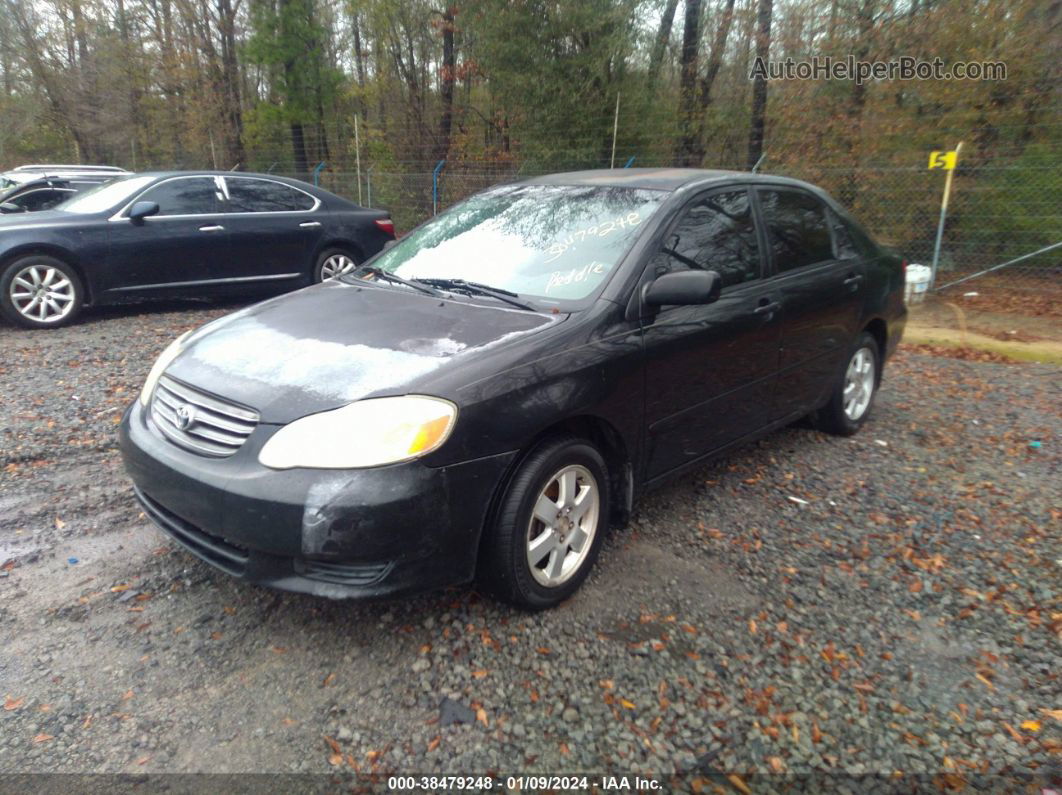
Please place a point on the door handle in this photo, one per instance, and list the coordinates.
(214, 228)
(767, 307)
(309, 224)
(853, 280)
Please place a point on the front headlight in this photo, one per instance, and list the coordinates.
(161, 363)
(368, 433)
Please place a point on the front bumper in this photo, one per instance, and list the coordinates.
(333, 533)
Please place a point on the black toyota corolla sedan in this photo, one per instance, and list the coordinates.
(486, 398)
(179, 234)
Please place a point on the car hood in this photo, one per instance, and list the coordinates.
(325, 346)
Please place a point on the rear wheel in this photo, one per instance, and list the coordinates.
(38, 291)
(853, 396)
(549, 526)
(334, 262)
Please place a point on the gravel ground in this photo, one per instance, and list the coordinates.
(884, 604)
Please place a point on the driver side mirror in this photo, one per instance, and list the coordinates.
(141, 210)
(684, 288)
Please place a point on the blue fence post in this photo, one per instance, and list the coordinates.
(317, 173)
(435, 186)
(630, 161)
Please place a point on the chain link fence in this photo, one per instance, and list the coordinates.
(996, 213)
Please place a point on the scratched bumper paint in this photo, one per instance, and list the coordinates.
(419, 526)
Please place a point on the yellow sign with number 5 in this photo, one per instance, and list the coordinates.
(944, 160)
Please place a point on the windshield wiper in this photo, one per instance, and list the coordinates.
(418, 284)
(475, 288)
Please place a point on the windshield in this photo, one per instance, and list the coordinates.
(547, 242)
(105, 196)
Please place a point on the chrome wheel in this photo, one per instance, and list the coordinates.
(335, 265)
(42, 293)
(562, 527)
(859, 384)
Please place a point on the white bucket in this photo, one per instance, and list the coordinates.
(917, 283)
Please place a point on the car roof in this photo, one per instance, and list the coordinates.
(668, 179)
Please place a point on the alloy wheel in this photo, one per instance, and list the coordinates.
(859, 384)
(562, 527)
(335, 265)
(42, 293)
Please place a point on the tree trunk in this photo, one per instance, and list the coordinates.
(715, 61)
(759, 83)
(663, 35)
(688, 144)
(298, 151)
(230, 85)
(446, 88)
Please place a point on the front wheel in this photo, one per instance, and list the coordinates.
(38, 291)
(549, 526)
(852, 397)
(333, 262)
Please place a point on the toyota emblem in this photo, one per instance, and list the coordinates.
(185, 416)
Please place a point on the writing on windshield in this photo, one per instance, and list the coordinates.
(558, 242)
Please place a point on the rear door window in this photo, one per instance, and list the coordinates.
(265, 196)
(798, 229)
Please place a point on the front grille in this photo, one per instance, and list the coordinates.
(200, 422)
(221, 553)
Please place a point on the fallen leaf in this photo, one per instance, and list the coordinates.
(215, 635)
(13, 703)
(776, 763)
(481, 716)
(543, 650)
(143, 760)
(279, 649)
(328, 679)
(1013, 732)
(1031, 725)
(120, 588)
(564, 749)
(434, 743)
(42, 738)
(425, 648)
(59, 523)
(87, 722)
(739, 783)
(986, 681)
(627, 704)
(1053, 713)
(482, 672)
(128, 694)
(335, 760)
(333, 745)
(752, 626)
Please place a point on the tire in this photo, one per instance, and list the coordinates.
(547, 473)
(38, 291)
(333, 261)
(845, 414)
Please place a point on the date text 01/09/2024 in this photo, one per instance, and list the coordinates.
(530, 783)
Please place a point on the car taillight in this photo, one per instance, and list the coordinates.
(385, 225)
